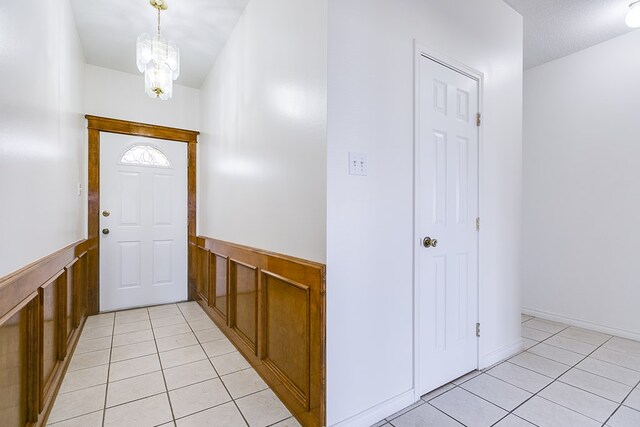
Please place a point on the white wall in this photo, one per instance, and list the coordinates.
(370, 219)
(118, 95)
(42, 136)
(263, 122)
(582, 188)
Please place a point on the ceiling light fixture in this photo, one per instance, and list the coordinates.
(158, 59)
(633, 15)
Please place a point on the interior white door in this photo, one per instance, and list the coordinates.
(143, 221)
(447, 207)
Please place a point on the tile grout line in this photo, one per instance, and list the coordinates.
(106, 389)
(164, 379)
(621, 403)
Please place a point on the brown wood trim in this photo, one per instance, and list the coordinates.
(290, 354)
(95, 126)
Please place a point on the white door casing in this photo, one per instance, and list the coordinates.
(446, 276)
(143, 258)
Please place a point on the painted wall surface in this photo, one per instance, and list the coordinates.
(370, 236)
(42, 131)
(118, 95)
(263, 123)
(582, 188)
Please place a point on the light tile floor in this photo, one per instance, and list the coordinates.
(162, 366)
(566, 377)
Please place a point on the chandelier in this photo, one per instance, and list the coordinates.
(158, 59)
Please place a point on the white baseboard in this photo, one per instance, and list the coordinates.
(582, 324)
(379, 412)
(500, 354)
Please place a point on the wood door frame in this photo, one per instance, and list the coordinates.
(425, 51)
(96, 125)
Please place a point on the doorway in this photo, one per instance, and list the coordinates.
(141, 244)
(446, 221)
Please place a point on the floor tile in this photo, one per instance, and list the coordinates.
(625, 417)
(403, 411)
(131, 351)
(225, 415)
(167, 331)
(520, 377)
(571, 344)
(135, 388)
(197, 397)
(467, 408)
(527, 343)
(540, 364)
(103, 331)
(218, 347)
(425, 415)
(585, 403)
(210, 334)
(290, 422)
(544, 413)
(165, 312)
(534, 334)
(596, 384)
(130, 311)
(546, 325)
(437, 392)
(98, 322)
(132, 327)
(148, 412)
(623, 345)
(91, 345)
(262, 409)
(244, 382)
(176, 341)
(611, 371)
(84, 378)
(167, 320)
(130, 318)
(181, 356)
(132, 338)
(585, 335)
(89, 360)
(621, 359)
(558, 354)
(201, 324)
(76, 403)
(133, 367)
(188, 374)
(466, 377)
(513, 421)
(228, 363)
(633, 401)
(93, 419)
(496, 391)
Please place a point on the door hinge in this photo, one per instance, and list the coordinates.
(479, 119)
(477, 224)
(477, 329)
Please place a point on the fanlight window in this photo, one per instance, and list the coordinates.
(145, 155)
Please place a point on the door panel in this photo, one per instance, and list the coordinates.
(143, 204)
(447, 205)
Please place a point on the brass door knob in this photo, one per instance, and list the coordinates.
(428, 242)
(106, 213)
(105, 231)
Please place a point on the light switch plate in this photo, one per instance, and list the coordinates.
(358, 164)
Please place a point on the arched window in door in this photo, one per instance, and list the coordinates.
(145, 155)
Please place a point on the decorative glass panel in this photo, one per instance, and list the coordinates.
(145, 155)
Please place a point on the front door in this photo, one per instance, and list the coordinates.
(447, 199)
(143, 221)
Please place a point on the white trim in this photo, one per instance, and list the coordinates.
(500, 354)
(422, 50)
(582, 324)
(379, 412)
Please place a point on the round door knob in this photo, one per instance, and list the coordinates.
(105, 231)
(428, 242)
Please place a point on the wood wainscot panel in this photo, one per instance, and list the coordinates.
(275, 316)
(202, 283)
(41, 315)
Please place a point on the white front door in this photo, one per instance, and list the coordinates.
(447, 207)
(143, 221)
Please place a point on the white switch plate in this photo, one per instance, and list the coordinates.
(358, 164)
(79, 189)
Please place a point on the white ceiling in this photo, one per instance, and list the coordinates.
(109, 29)
(556, 28)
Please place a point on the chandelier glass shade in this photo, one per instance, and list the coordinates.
(158, 59)
(633, 15)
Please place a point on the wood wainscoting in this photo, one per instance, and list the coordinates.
(42, 309)
(272, 307)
